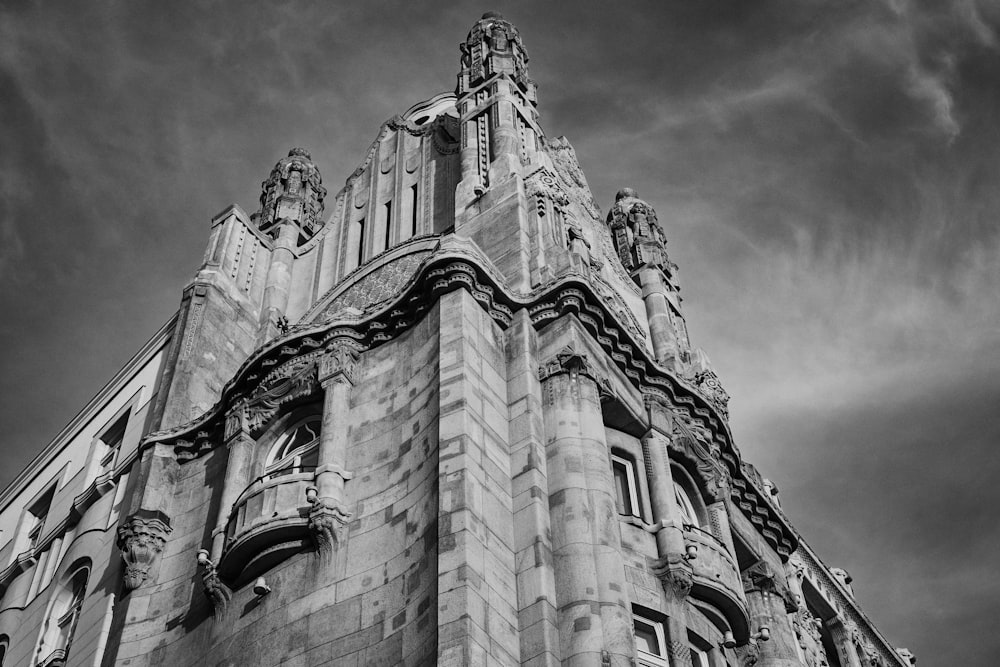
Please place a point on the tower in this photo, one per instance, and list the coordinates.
(448, 415)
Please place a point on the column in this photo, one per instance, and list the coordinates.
(766, 604)
(279, 277)
(672, 569)
(328, 516)
(240, 446)
(595, 622)
(661, 329)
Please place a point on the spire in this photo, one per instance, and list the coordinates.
(496, 103)
(293, 192)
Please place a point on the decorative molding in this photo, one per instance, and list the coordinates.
(265, 404)
(140, 539)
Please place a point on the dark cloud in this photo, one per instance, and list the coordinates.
(826, 172)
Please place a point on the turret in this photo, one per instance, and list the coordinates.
(496, 102)
(291, 202)
(641, 246)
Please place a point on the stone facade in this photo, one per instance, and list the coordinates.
(449, 415)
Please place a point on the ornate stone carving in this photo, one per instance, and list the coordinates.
(680, 653)
(749, 653)
(675, 573)
(636, 233)
(377, 287)
(711, 388)
(265, 403)
(293, 191)
(574, 363)
(216, 591)
(494, 46)
(339, 364)
(328, 525)
(140, 539)
(760, 577)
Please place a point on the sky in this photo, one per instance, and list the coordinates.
(825, 173)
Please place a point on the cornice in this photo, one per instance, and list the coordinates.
(458, 264)
(845, 604)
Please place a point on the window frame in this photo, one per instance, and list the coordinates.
(291, 460)
(632, 486)
(645, 658)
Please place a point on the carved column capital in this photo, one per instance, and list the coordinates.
(237, 421)
(749, 653)
(339, 364)
(328, 525)
(576, 364)
(675, 573)
(140, 539)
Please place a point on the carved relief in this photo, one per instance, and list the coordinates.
(711, 388)
(377, 287)
(216, 591)
(574, 363)
(264, 405)
(140, 539)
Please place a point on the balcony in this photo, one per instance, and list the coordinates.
(716, 578)
(269, 522)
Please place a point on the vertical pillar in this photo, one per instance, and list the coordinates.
(661, 328)
(476, 583)
(536, 587)
(594, 619)
(144, 532)
(279, 278)
(240, 447)
(767, 609)
(328, 515)
(718, 516)
(672, 569)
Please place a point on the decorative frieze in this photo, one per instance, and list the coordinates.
(140, 540)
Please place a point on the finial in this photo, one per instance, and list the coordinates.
(299, 152)
(626, 192)
(492, 15)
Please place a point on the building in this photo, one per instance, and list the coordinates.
(448, 415)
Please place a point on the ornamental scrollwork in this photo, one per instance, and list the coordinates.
(263, 406)
(710, 386)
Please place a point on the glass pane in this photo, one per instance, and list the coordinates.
(645, 638)
(624, 498)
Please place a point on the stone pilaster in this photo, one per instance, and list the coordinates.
(595, 624)
(328, 514)
(279, 278)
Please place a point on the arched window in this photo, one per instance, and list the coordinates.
(686, 497)
(61, 621)
(295, 449)
(4, 644)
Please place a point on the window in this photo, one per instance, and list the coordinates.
(413, 210)
(650, 642)
(700, 650)
(109, 444)
(295, 449)
(35, 521)
(61, 622)
(4, 643)
(688, 515)
(626, 492)
(388, 225)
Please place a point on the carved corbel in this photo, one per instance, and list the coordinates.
(216, 591)
(327, 523)
(140, 539)
(675, 573)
